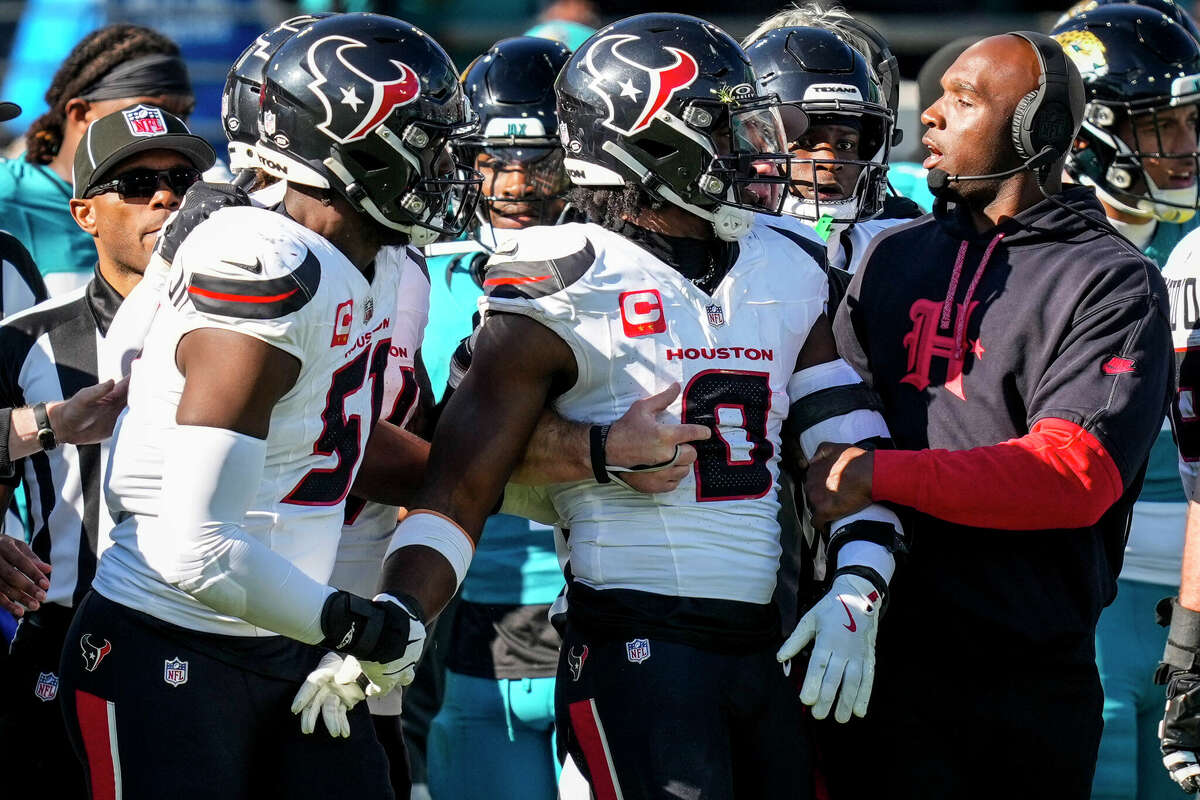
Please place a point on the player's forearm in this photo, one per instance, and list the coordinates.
(393, 466)
(1189, 579)
(558, 452)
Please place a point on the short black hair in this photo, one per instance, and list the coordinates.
(608, 208)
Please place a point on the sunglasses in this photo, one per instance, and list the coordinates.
(144, 182)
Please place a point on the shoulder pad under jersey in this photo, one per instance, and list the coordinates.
(246, 263)
(547, 260)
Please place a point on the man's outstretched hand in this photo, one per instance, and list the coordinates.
(838, 482)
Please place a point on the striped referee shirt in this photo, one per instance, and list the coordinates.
(21, 285)
(49, 353)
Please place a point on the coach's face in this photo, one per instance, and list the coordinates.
(969, 125)
(126, 227)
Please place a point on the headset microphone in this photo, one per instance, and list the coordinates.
(939, 180)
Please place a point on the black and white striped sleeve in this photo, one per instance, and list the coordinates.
(21, 285)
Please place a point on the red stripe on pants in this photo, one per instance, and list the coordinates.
(97, 741)
(586, 725)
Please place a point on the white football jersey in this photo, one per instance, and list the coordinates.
(258, 273)
(635, 324)
(369, 526)
(1182, 275)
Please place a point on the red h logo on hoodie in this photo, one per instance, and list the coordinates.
(924, 342)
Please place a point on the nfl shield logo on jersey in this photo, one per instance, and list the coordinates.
(637, 651)
(46, 688)
(716, 315)
(175, 672)
(145, 121)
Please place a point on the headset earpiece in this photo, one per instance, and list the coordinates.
(1043, 118)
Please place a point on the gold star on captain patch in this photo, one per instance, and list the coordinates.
(350, 98)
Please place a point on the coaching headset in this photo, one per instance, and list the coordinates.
(1046, 120)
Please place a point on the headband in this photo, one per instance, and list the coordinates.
(150, 75)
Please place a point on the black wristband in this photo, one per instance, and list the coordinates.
(598, 438)
(367, 629)
(45, 433)
(7, 470)
(871, 575)
(1183, 639)
(877, 532)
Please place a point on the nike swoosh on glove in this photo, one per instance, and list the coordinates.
(1179, 731)
(402, 671)
(330, 691)
(843, 624)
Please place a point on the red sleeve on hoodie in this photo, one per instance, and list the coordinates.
(1056, 476)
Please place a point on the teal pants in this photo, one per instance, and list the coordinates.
(493, 739)
(1129, 645)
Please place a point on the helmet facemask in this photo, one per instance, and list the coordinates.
(1117, 168)
(440, 202)
(524, 182)
(864, 198)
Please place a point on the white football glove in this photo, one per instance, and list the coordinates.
(844, 623)
(387, 676)
(330, 690)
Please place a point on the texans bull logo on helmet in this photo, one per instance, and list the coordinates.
(355, 102)
(641, 92)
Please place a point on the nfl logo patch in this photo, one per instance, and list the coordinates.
(637, 651)
(145, 121)
(368, 309)
(47, 687)
(175, 672)
(716, 315)
(269, 123)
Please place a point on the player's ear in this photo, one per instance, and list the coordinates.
(84, 214)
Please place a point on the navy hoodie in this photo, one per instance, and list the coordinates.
(1065, 321)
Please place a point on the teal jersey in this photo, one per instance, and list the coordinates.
(34, 208)
(908, 179)
(1162, 483)
(453, 293)
(515, 560)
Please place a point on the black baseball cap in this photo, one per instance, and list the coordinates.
(117, 136)
(9, 111)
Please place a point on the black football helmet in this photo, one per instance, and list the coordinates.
(1135, 61)
(511, 89)
(886, 66)
(1168, 7)
(670, 102)
(367, 105)
(239, 100)
(818, 77)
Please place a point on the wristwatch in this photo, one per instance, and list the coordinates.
(45, 433)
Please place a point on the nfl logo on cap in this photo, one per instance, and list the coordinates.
(175, 672)
(47, 686)
(145, 121)
(638, 650)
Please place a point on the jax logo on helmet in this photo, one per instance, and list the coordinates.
(359, 101)
(646, 91)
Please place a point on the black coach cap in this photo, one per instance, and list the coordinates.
(117, 136)
(9, 111)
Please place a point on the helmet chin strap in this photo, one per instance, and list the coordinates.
(419, 235)
(1146, 206)
(729, 223)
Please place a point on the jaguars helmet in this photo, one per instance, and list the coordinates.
(670, 103)
(1136, 62)
(511, 89)
(368, 106)
(1168, 7)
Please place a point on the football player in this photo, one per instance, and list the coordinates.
(250, 410)
(497, 714)
(1138, 148)
(678, 279)
(824, 64)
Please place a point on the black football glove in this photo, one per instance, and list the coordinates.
(1179, 731)
(200, 202)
